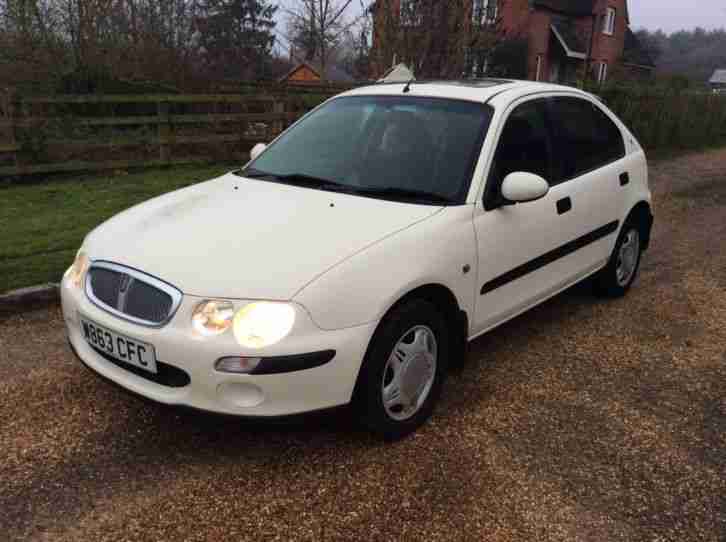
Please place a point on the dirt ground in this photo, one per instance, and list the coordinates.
(581, 420)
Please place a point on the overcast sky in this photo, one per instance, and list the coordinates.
(672, 15)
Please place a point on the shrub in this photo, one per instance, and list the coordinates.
(666, 116)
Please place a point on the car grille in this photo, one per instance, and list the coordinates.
(131, 294)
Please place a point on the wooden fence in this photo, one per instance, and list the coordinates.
(95, 132)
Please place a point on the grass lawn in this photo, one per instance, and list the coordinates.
(42, 224)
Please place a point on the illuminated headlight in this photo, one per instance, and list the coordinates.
(262, 324)
(77, 271)
(212, 317)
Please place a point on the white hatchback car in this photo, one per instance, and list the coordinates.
(353, 258)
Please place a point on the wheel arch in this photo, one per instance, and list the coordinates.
(443, 299)
(642, 214)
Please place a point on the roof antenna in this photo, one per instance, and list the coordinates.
(407, 88)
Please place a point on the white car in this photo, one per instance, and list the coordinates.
(352, 259)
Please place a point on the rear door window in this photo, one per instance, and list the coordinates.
(585, 138)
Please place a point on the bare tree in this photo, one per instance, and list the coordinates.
(436, 39)
(355, 47)
(30, 49)
(318, 26)
(72, 45)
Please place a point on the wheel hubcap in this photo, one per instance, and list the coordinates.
(628, 257)
(409, 373)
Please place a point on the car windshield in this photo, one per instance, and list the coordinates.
(392, 147)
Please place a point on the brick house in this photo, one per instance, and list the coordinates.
(565, 38)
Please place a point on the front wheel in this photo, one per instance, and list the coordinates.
(618, 276)
(403, 371)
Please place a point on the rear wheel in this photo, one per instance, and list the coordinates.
(618, 276)
(403, 371)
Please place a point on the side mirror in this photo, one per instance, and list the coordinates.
(257, 150)
(521, 187)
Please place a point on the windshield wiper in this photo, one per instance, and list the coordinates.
(310, 181)
(297, 179)
(300, 179)
(394, 192)
(253, 173)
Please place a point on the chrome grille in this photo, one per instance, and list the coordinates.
(131, 294)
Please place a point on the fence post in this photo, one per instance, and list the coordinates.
(244, 128)
(278, 107)
(163, 131)
(13, 112)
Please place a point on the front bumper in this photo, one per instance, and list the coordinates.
(270, 395)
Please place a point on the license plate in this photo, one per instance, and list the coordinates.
(120, 347)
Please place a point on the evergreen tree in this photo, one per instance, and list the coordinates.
(236, 37)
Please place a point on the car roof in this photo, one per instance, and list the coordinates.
(475, 90)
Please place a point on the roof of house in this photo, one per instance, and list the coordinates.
(570, 7)
(719, 76)
(635, 53)
(567, 34)
(332, 73)
(573, 7)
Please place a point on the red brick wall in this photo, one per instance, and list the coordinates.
(519, 19)
(539, 43)
(514, 14)
(609, 48)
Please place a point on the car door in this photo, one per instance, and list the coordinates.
(522, 249)
(590, 165)
(530, 251)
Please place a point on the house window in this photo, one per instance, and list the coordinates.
(410, 15)
(484, 11)
(602, 73)
(476, 62)
(538, 75)
(608, 25)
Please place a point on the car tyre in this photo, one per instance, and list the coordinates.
(408, 351)
(616, 278)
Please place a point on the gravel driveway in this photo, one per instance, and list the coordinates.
(581, 420)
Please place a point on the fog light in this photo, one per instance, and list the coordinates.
(240, 394)
(238, 365)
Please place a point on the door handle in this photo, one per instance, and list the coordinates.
(564, 205)
(624, 178)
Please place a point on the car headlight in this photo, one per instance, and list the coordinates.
(212, 317)
(262, 324)
(77, 271)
